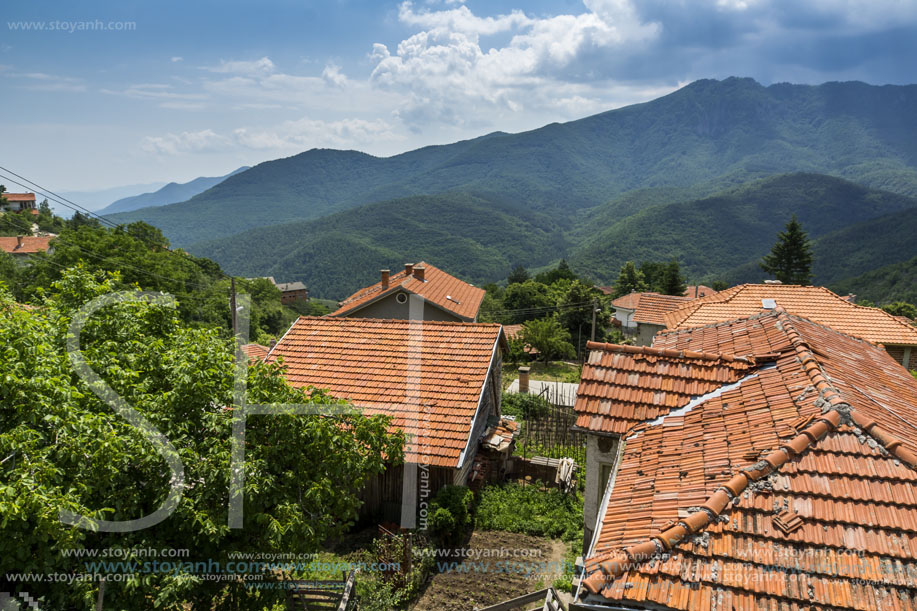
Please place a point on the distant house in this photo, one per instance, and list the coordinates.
(291, 292)
(17, 202)
(255, 352)
(641, 314)
(813, 302)
(760, 463)
(22, 247)
(445, 297)
(440, 382)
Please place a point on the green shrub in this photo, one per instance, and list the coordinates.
(530, 510)
(450, 514)
(524, 405)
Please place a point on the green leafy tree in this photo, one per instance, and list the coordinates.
(901, 308)
(549, 338)
(561, 272)
(46, 220)
(526, 300)
(519, 274)
(63, 448)
(630, 280)
(672, 282)
(719, 285)
(653, 273)
(790, 259)
(15, 223)
(576, 313)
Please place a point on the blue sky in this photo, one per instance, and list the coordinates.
(174, 90)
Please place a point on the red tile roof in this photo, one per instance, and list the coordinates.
(255, 352)
(437, 287)
(19, 197)
(650, 307)
(695, 291)
(621, 386)
(30, 244)
(795, 489)
(813, 302)
(372, 363)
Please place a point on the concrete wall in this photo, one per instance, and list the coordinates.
(388, 307)
(601, 454)
(646, 332)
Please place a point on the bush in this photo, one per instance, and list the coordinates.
(450, 514)
(524, 405)
(532, 511)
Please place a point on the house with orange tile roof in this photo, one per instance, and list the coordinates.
(18, 202)
(641, 314)
(813, 302)
(439, 382)
(768, 462)
(444, 296)
(22, 247)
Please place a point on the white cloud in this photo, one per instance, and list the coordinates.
(185, 142)
(39, 81)
(448, 75)
(177, 59)
(257, 67)
(332, 74)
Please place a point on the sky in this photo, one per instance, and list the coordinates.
(99, 94)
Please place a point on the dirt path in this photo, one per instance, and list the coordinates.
(497, 566)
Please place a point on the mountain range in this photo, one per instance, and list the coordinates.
(167, 194)
(707, 174)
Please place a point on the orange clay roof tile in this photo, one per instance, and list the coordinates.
(255, 352)
(650, 307)
(813, 302)
(371, 362)
(30, 244)
(437, 287)
(794, 489)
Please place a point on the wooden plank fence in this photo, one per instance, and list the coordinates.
(311, 595)
(547, 600)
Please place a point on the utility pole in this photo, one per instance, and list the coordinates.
(595, 309)
(232, 306)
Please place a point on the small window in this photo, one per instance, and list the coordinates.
(401, 298)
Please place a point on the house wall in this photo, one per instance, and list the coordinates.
(626, 317)
(601, 455)
(646, 332)
(291, 296)
(382, 495)
(906, 355)
(388, 307)
(488, 413)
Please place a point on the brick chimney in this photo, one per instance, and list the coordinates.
(18, 242)
(408, 269)
(385, 275)
(419, 271)
(524, 380)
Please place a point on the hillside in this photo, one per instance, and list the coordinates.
(168, 194)
(895, 282)
(730, 229)
(719, 132)
(476, 239)
(481, 239)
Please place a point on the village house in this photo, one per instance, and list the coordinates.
(18, 202)
(447, 297)
(813, 302)
(439, 381)
(761, 463)
(641, 315)
(23, 247)
(291, 292)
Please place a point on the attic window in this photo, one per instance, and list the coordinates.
(787, 522)
(401, 298)
(451, 298)
(769, 304)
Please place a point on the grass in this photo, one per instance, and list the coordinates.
(532, 511)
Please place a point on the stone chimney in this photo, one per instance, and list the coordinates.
(419, 271)
(385, 275)
(524, 380)
(18, 242)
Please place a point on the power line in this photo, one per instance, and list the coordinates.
(60, 199)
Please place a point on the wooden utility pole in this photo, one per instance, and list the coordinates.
(232, 306)
(595, 309)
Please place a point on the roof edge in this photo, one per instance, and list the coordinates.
(674, 354)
